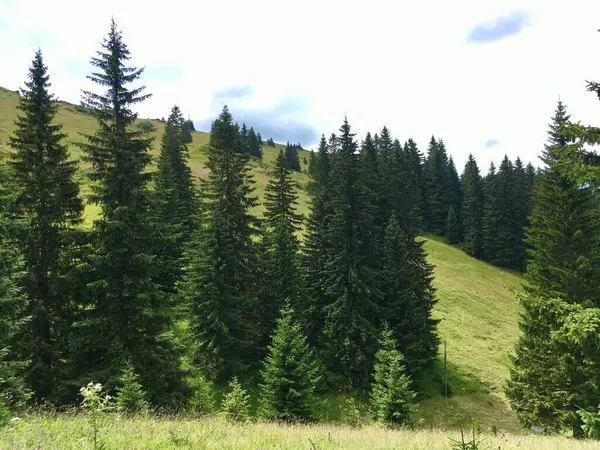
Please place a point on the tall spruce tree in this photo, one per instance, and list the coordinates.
(333, 144)
(522, 192)
(176, 203)
(403, 190)
(315, 253)
(291, 157)
(549, 383)
(435, 174)
(490, 215)
(254, 145)
(373, 194)
(48, 199)
(454, 198)
(220, 274)
(508, 227)
(453, 227)
(13, 302)
(352, 316)
(124, 313)
(414, 159)
(187, 126)
(283, 223)
(472, 208)
(408, 298)
(312, 164)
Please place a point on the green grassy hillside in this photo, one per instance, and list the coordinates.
(478, 307)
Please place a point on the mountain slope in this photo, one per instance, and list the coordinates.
(478, 306)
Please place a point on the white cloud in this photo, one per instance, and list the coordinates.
(403, 64)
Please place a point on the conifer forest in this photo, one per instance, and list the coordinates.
(280, 286)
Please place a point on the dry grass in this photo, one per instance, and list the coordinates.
(73, 432)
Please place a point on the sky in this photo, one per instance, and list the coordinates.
(484, 76)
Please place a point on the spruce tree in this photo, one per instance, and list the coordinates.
(254, 145)
(291, 373)
(124, 314)
(48, 199)
(243, 137)
(472, 208)
(435, 172)
(291, 157)
(352, 316)
(490, 215)
(548, 383)
(221, 264)
(312, 164)
(454, 198)
(12, 300)
(408, 298)
(176, 204)
(333, 144)
(187, 126)
(315, 253)
(508, 231)
(452, 227)
(522, 210)
(283, 223)
(403, 191)
(392, 399)
(236, 403)
(374, 199)
(414, 160)
(130, 398)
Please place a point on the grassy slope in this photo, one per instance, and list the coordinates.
(477, 303)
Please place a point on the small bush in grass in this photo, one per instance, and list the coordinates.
(146, 126)
(4, 412)
(475, 443)
(131, 398)
(591, 423)
(393, 401)
(351, 414)
(202, 400)
(235, 405)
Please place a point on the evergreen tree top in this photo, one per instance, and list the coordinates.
(113, 72)
(557, 138)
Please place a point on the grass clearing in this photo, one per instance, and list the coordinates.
(74, 432)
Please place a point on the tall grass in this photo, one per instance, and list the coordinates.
(72, 431)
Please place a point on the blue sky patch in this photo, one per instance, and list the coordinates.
(499, 28)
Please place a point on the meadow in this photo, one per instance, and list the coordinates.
(63, 432)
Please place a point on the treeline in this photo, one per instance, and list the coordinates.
(175, 287)
(486, 215)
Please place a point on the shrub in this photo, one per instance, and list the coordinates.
(146, 126)
(4, 412)
(131, 397)
(202, 400)
(591, 423)
(235, 405)
(392, 399)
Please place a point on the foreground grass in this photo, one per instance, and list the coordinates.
(74, 432)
